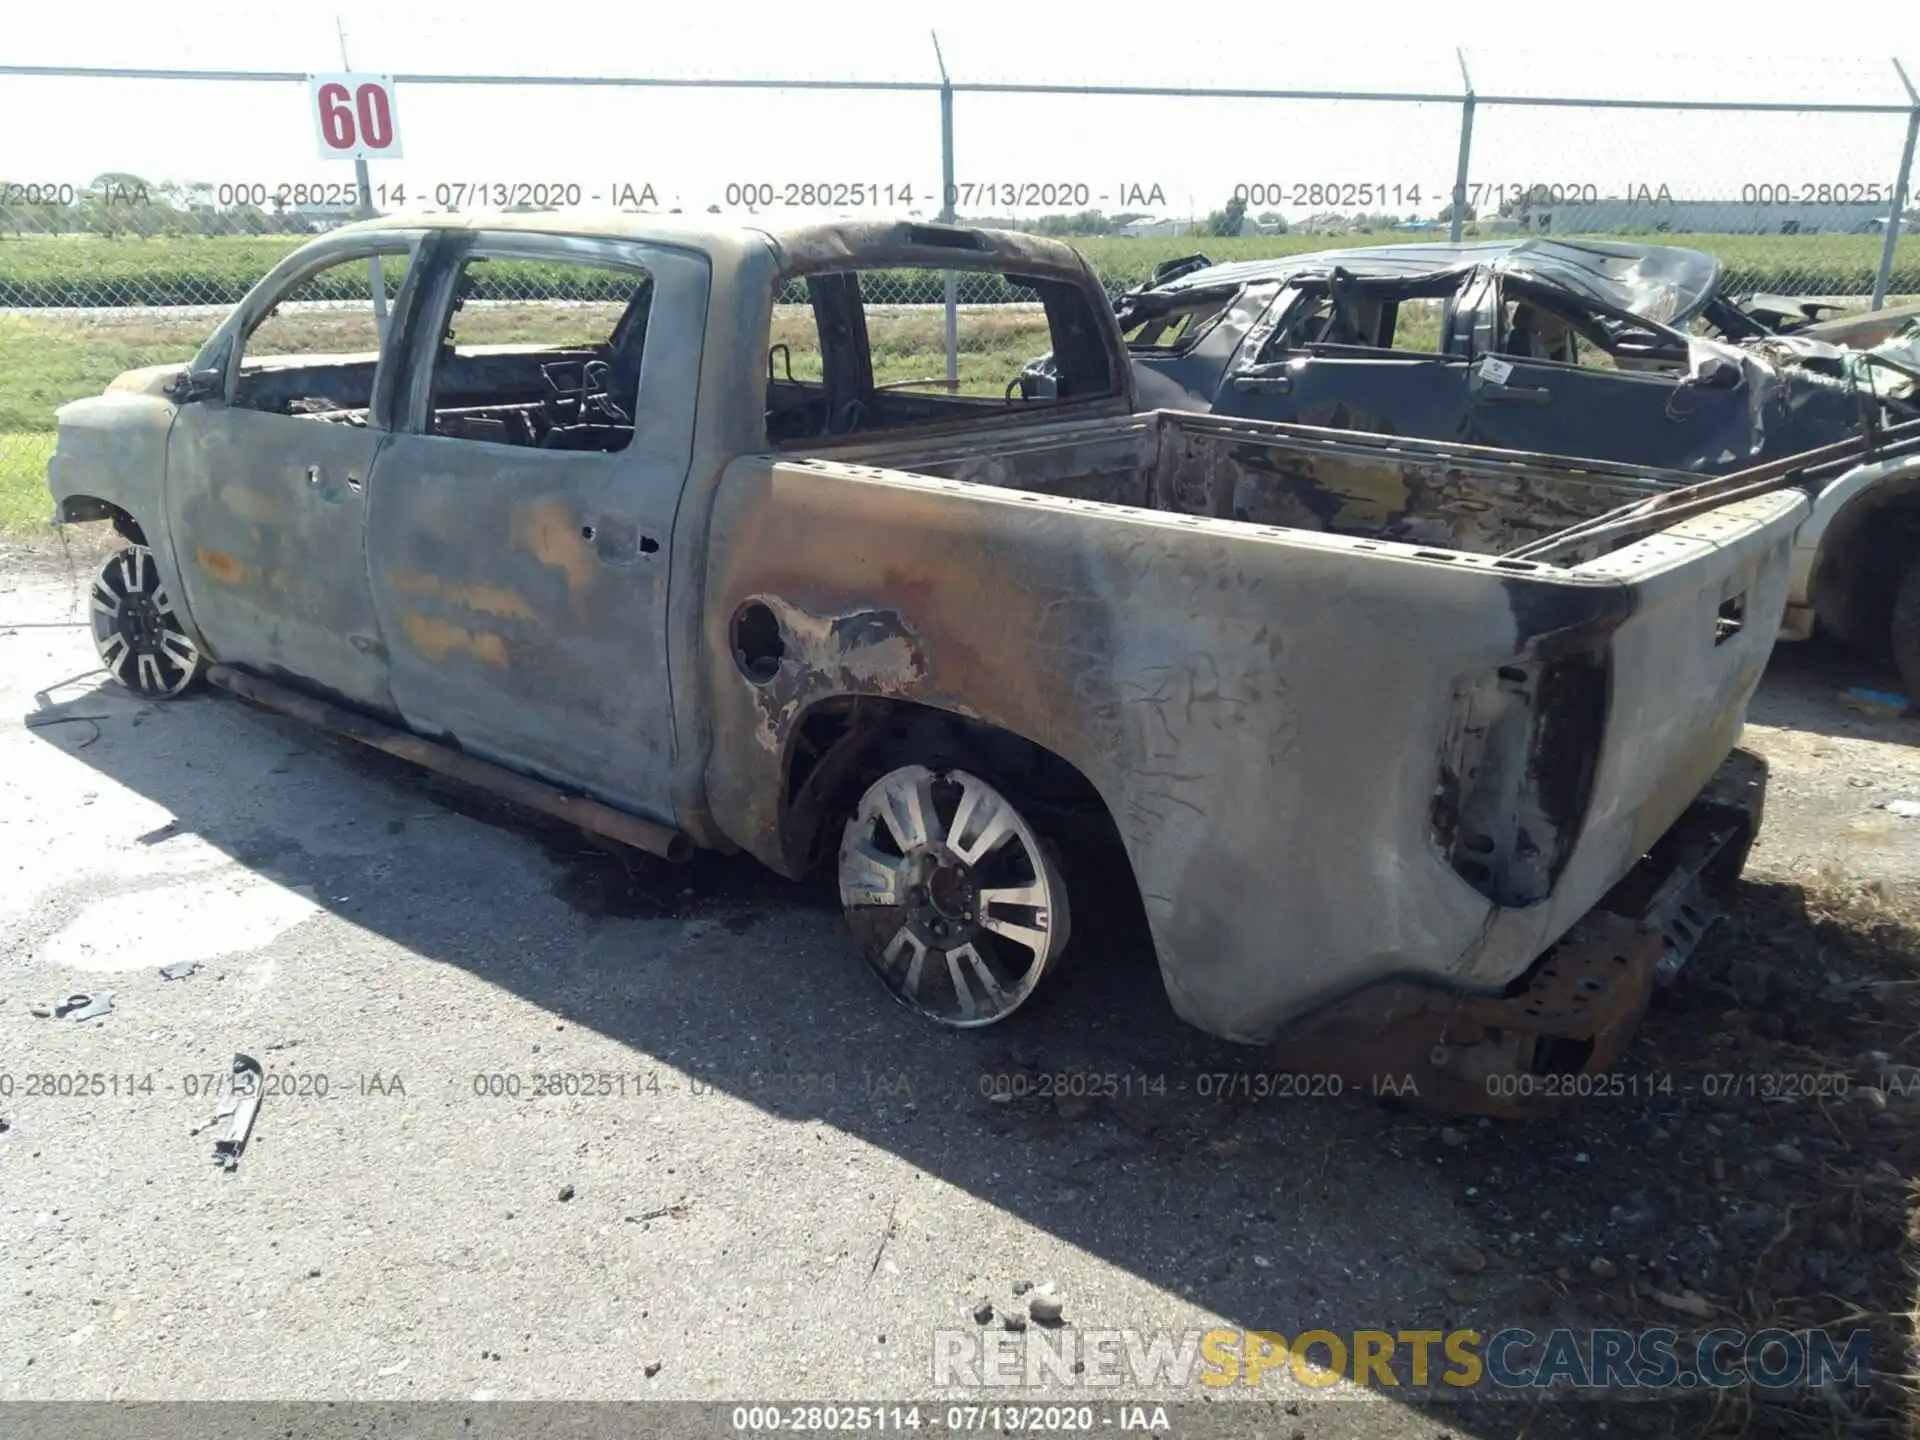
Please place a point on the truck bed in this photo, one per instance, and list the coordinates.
(1372, 487)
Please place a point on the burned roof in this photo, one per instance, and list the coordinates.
(817, 245)
(1665, 283)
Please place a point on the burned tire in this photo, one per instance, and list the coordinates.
(1904, 631)
(953, 899)
(136, 631)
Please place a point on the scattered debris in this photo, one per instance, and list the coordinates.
(1688, 1302)
(982, 1311)
(1013, 1320)
(83, 1005)
(226, 1108)
(180, 971)
(679, 1210)
(1883, 704)
(1465, 1260)
(1044, 1308)
(248, 1083)
(1451, 1137)
(99, 1003)
(1905, 809)
(40, 722)
(653, 1368)
(566, 1192)
(1602, 1268)
(1021, 1287)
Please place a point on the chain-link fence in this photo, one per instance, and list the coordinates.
(1803, 196)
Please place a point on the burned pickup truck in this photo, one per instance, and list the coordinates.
(689, 552)
(1597, 349)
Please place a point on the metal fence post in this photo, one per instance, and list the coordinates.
(1900, 193)
(946, 215)
(1466, 152)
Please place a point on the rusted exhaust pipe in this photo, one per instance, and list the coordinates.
(661, 840)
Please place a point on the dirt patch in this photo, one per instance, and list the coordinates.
(68, 553)
(1748, 1169)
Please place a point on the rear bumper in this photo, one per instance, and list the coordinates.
(1551, 1035)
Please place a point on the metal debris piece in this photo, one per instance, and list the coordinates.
(82, 1005)
(248, 1082)
(1881, 704)
(101, 1003)
(180, 971)
(226, 1108)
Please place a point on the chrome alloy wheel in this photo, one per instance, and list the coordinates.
(950, 895)
(135, 630)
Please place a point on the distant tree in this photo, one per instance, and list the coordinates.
(1445, 216)
(1228, 220)
(1273, 221)
(713, 209)
(1084, 222)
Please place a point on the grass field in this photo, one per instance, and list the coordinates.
(73, 270)
(48, 359)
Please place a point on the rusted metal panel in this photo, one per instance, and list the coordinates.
(523, 592)
(1261, 709)
(1535, 1047)
(579, 810)
(270, 510)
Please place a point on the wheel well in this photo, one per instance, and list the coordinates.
(842, 745)
(75, 509)
(1865, 551)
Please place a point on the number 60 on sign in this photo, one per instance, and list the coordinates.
(355, 116)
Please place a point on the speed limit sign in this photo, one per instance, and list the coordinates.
(355, 116)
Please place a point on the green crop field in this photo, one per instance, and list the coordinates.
(74, 270)
(48, 359)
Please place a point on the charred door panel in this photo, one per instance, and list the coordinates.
(524, 589)
(267, 481)
(268, 520)
(1381, 394)
(1594, 413)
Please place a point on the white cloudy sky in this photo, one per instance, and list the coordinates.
(689, 144)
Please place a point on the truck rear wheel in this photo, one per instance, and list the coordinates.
(952, 897)
(136, 632)
(1906, 632)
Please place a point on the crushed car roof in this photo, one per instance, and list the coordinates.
(1665, 283)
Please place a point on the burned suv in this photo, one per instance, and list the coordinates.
(1588, 349)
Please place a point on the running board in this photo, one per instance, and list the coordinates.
(655, 839)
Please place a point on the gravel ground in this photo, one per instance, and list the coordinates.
(801, 1183)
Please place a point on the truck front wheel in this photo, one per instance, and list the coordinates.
(135, 630)
(1906, 631)
(951, 896)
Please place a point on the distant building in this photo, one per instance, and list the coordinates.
(1707, 217)
(1150, 229)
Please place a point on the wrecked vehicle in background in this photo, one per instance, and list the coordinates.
(684, 566)
(1578, 348)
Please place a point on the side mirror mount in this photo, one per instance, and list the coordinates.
(192, 385)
